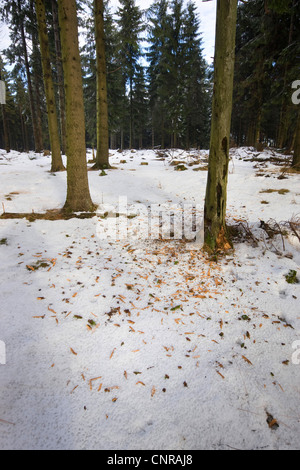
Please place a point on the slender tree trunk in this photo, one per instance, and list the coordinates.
(296, 157)
(102, 156)
(175, 140)
(57, 164)
(78, 194)
(250, 134)
(283, 125)
(239, 137)
(187, 139)
(122, 139)
(162, 131)
(5, 129)
(37, 95)
(60, 78)
(257, 128)
(282, 131)
(23, 130)
(113, 140)
(152, 133)
(36, 61)
(131, 114)
(5, 124)
(215, 233)
(38, 147)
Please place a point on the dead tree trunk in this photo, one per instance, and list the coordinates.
(215, 233)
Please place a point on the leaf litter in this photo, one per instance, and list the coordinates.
(167, 315)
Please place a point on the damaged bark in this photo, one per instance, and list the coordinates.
(215, 233)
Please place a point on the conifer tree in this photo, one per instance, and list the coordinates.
(59, 75)
(159, 25)
(175, 76)
(130, 27)
(20, 25)
(102, 160)
(88, 65)
(57, 164)
(115, 81)
(37, 74)
(140, 107)
(196, 83)
(22, 119)
(178, 83)
(4, 114)
(267, 48)
(296, 155)
(24, 58)
(78, 194)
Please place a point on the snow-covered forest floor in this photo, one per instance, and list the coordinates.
(143, 343)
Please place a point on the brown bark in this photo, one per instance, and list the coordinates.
(36, 61)
(215, 234)
(78, 194)
(283, 123)
(60, 78)
(5, 129)
(38, 146)
(23, 130)
(38, 112)
(5, 124)
(296, 156)
(102, 160)
(57, 164)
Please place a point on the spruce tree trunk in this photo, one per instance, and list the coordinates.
(5, 124)
(283, 128)
(215, 233)
(102, 156)
(257, 128)
(296, 157)
(36, 85)
(122, 139)
(60, 78)
(5, 129)
(78, 194)
(250, 134)
(131, 114)
(56, 164)
(38, 146)
(162, 131)
(152, 133)
(23, 130)
(283, 122)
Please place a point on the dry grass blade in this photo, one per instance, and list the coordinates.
(6, 422)
(247, 360)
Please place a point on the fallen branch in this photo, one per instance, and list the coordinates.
(49, 215)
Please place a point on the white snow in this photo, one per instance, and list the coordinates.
(147, 344)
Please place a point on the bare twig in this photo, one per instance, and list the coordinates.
(292, 226)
